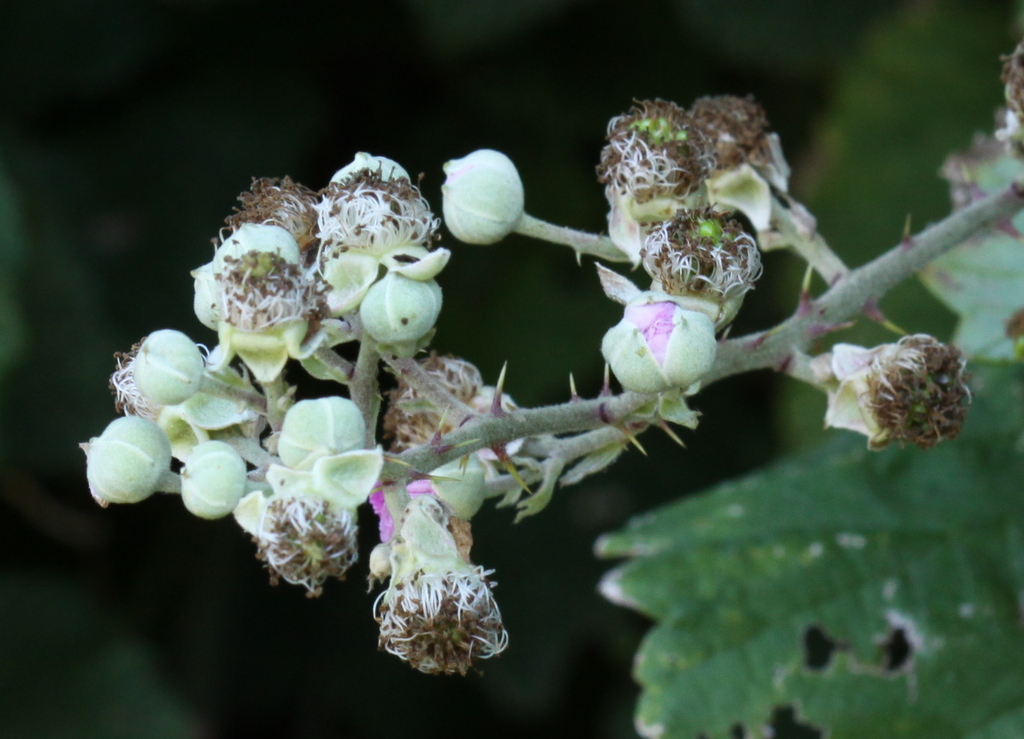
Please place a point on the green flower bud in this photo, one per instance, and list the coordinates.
(125, 463)
(461, 486)
(256, 237)
(168, 368)
(397, 312)
(204, 304)
(659, 345)
(389, 169)
(213, 480)
(349, 275)
(483, 197)
(319, 428)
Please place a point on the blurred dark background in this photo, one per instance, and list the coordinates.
(128, 127)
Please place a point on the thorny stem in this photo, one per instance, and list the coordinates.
(581, 241)
(423, 382)
(566, 450)
(848, 297)
(774, 348)
(489, 431)
(214, 386)
(805, 241)
(364, 387)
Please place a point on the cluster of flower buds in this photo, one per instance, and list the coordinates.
(295, 258)
(298, 271)
(912, 391)
(656, 168)
(161, 387)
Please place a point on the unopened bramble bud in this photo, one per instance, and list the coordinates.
(319, 428)
(397, 312)
(380, 564)
(213, 480)
(126, 462)
(168, 368)
(703, 257)
(911, 391)
(659, 345)
(483, 197)
(460, 484)
(205, 299)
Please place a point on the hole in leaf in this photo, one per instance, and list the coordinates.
(898, 650)
(786, 725)
(818, 648)
(737, 732)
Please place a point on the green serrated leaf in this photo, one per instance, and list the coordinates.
(982, 280)
(910, 562)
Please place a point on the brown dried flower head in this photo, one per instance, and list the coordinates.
(917, 392)
(655, 150)
(127, 398)
(280, 202)
(441, 622)
(259, 290)
(411, 419)
(737, 126)
(700, 254)
(373, 214)
(306, 542)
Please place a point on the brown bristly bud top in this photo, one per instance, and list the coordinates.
(738, 128)
(918, 393)
(262, 289)
(1013, 78)
(127, 398)
(306, 542)
(280, 202)
(700, 254)
(441, 622)
(655, 150)
(372, 214)
(411, 420)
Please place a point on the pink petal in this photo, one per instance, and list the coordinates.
(655, 321)
(386, 523)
